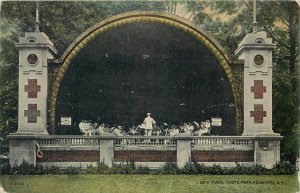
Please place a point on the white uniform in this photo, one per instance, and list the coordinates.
(148, 125)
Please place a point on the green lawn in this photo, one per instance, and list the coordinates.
(149, 183)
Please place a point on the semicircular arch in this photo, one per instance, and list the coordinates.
(144, 16)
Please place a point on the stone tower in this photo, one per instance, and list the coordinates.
(34, 51)
(256, 51)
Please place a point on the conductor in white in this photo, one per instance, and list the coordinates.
(149, 122)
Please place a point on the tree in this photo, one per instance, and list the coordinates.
(62, 22)
(280, 19)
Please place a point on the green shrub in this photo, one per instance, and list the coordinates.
(91, 170)
(189, 168)
(283, 168)
(72, 170)
(52, 170)
(215, 170)
(38, 170)
(23, 169)
(142, 170)
(4, 167)
(201, 168)
(257, 170)
(169, 168)
(102, 168)
(127, 168)
(116, 169)
(278, 169)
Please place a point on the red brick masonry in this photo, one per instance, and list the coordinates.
(145, 156)
(258, 113)
(70, 156)
(259, 89)
(222, 156)
(32, 88)
(32, 113)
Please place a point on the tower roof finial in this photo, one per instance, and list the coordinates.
(37, 22)
(254, 23)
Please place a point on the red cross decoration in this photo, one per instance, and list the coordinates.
(32, 88)
(258, 113)
(32, 113)
(258, 89)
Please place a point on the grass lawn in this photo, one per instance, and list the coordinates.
(149, 183)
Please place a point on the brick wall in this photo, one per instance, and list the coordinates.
(222, 156)
(70, 156)
(145, 156)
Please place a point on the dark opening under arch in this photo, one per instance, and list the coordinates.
(151, 74)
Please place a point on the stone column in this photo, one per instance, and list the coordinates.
(107, 148)
(183, 149)
(267, 151)
(22, 148)
(34, 51)
(256, 52)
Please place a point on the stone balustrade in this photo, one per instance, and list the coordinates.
(222, 141)
(60, 140)
(144, 141)
(63, 141)
(152, 151)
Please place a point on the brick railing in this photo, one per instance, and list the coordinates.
(61, 140)
(152, 151)
(68, 140)
(144, 141)
(223, 141)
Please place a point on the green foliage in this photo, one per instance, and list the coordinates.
(285, 114)
(29, 169)
(73, 170)
(91, 170)
(101, 168)
(63, 22)
(215, 170)
(229, 31)
(127, 168)
(8, 91)
(200, 168)
(280, 19)
(4, 166)
(51, 170)
(169, 168)
(190, 168)
(24, 169)
(122, 168)
(290, 145)
(282, 168)
(142, 170)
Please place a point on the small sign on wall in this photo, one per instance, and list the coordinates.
(65, 120)
(216, 122)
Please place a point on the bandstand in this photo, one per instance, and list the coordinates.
(41, 75)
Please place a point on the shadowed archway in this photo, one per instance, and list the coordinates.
(143, 17)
